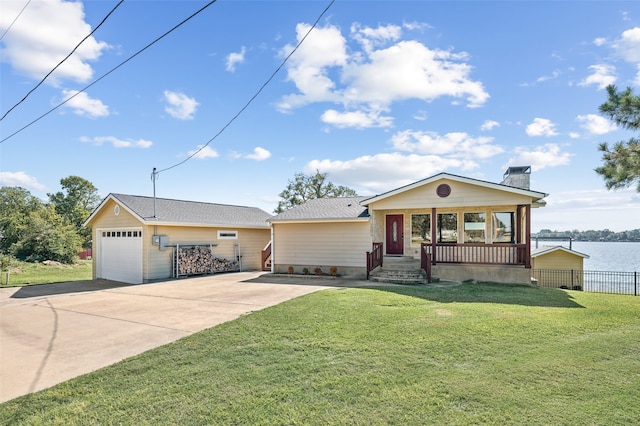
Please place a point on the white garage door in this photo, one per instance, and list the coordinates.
(120, 255)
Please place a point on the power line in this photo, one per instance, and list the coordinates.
(110, 71)
(14, 20)
(246, 105)
(65, 58)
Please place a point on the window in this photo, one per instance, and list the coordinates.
(474, 226)
(420, 229)
(502, 227)
(227, 235)
(447, 229)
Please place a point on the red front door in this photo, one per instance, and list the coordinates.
(395, 234)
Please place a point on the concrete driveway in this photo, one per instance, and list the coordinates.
(52, 333)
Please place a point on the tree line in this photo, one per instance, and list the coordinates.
(34, 231)
(591, 235)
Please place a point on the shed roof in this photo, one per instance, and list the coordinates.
(187, 213)
(326, 209)
(550, 249)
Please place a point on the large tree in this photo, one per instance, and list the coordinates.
(621, 166)
(307, 187)
(16, 204)
(75, 203)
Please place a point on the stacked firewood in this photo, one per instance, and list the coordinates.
(198, 260)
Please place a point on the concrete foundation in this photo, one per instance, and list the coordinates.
(484, 273)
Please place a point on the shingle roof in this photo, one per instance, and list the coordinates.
(193, 212)
(326, 209)
(549, 249)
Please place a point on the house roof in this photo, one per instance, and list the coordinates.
(550, 249)
(326, 210)
(537, 196)
(186, 213)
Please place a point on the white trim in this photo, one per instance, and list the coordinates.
(545, 250)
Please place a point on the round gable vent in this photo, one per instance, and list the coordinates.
(443, 190)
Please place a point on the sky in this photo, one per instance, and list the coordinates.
(378, 94)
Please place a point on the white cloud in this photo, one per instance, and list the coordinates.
(83, 105)
(20, 179)
(454, 145)
(180, 106)
(46, 32)
(489, 125)
(628, 45)
(369, 38)
(600, 41)
(368, 81)
(541, 127)
(602, 76)
(116, 142)
(595, 124)
(259, 154)
(382, 172)
(235, 58)
(356, 119)
(548, 155)
(203, 152)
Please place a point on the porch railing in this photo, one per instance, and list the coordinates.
(374, 258)
(266, 257)
(425, 262)
(486, 254)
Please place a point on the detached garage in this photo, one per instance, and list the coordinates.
(137, 239)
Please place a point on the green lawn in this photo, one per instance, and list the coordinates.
(470, 354)
(25, 273)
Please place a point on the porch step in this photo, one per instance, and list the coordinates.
(400, 270)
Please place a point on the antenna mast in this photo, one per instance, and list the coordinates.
(154, 175)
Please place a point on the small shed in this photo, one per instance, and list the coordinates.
(558, 267)
(557, 257)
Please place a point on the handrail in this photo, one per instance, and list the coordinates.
(425, 261)
(374, 257)
(266, 254)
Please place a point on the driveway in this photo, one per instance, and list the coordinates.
(52, 333)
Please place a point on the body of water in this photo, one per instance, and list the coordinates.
(604, 256)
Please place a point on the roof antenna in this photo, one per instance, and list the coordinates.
(154, 176)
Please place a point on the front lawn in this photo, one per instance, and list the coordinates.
(27, 273)
(469, 354)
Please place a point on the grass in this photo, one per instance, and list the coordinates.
(471, 354)
(25, 273)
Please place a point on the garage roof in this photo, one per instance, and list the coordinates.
(187, 213)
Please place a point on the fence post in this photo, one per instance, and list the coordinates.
(635, 283)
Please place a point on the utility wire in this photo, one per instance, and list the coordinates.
(14, 20)
(246, 105)
(60, 63)
(110, 71)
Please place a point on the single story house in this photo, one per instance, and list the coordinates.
(136, 239)
(468, 228)
(465, 229)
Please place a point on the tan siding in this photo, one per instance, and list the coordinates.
(250, 241)
(328, 244)
(558, 260)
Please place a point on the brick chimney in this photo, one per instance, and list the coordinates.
(518, 177)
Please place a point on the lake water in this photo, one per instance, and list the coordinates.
(604, 256)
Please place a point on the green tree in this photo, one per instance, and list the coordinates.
(45, 235)
(16, 204)
(307, 187)
(621, 166)
(75, 203)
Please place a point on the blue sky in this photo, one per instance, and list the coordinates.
(380, 94)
